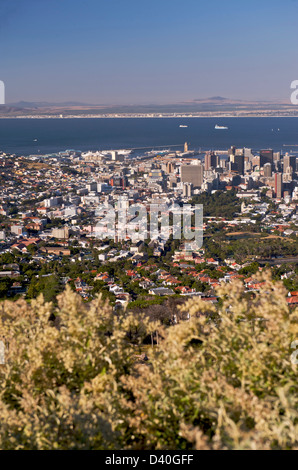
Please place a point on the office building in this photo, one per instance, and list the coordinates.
(238, 164)
(266, 156)
(187, 189)
(289, 161)
(192, 174)
(267, 170)
(211, 161)
(278, 185)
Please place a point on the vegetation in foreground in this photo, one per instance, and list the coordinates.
(224, 379)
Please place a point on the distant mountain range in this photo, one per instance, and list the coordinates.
(45, 104)
(216, 105)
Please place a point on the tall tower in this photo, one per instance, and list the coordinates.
(266, 156)
(114, 155)
(267, 170)
(289, 161)
(278, 186)
(211, 161)
(238, 164)
(185, 147)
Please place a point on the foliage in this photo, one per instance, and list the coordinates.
(222, 380)
(219, 204)
(49, 286)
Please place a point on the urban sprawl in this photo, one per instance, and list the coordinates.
(51, 235)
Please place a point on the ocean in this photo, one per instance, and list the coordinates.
(18, 136)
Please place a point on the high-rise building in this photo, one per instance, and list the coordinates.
(192, 174)
(289, 161)
(92, 186)
(60, 232)
(118, 180)
(187, 189)
(266, 156)
(238, 164)
(256, 161)
(267, 170)
(278, 185)
(247, 165)
(222, 163)
(247, 153)
(170, 167)
(232, 151)
(211, 160)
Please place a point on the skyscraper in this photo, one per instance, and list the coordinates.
(266, 156)
(238, 164)
(267, 170)
(289, 161)
(211, 160)
(278, 185)
(187, 189)
(192, 174)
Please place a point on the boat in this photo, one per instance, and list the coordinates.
(124, 152)
(120, 152)
(220, 127)
(153, 153)
(35, 140)
(182, 125)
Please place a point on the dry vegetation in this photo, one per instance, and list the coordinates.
(222, 380)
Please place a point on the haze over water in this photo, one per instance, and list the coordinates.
(54, 135)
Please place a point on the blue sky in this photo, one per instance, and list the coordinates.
(128, 51)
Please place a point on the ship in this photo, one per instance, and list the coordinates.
(181, 125)
(120, 152)
(220, 127)
(153, 153)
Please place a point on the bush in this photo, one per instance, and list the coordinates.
(222, 380)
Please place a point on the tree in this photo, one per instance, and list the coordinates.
(5, 284)
(49, 286)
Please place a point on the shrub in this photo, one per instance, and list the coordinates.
(222, 380)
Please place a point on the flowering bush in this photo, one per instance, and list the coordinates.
(221, 380)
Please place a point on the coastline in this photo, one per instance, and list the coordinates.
(150, 116)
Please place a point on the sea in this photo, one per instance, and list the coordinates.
(51, 136)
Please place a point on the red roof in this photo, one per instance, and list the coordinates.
(293, 300)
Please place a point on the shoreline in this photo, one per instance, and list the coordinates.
(148, 116)
(143, 117)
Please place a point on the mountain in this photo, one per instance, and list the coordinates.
(212, 106)
(45, 104)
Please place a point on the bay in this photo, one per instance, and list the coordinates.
(47, 136)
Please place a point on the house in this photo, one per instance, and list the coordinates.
(137, 248)
(146, 284)
(171, 281)
(293, 300)
(161, 291)
(55, 250)
(116, 290)
(184, 290)
(20, 247)
(104, 277)
(212, 261)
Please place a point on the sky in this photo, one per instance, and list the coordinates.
(147, 51)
